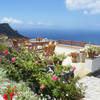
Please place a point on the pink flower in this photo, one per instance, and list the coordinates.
(38, 94)
(13, 59)
(42, 86)
(55, 78)
(74, 68)
(6, 52)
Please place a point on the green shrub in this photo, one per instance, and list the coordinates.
(26, 67)
(57, 58)
(53, 86)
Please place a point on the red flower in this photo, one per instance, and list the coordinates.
(12, 94)
(8, 86)
(10, 97)
(5, 96)
(14, 88)
(75, 54)
(16, 92)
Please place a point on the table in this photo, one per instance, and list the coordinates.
(39, 45)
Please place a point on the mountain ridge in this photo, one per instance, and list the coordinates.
(7, 30)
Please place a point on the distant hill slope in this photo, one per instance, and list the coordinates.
(8, 31)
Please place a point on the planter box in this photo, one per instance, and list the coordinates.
(92, 65)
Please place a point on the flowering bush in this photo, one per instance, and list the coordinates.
(23, 65)
(55, 86)
(58, 89)
(9, 93)
(74, 54)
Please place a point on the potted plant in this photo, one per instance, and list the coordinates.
(97, 51)
(82, 56)
(58, 58)
(74, 57)
(92, 51)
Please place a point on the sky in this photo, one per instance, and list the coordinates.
(51, 14)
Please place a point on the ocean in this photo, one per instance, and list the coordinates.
(74, 35)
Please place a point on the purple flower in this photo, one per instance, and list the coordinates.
(1, 53)
(8, 58)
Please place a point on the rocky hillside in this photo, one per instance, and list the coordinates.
(5, 29)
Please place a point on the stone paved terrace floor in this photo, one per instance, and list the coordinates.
(93, 87)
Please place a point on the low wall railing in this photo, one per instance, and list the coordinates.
(72, 43)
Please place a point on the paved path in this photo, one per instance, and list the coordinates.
(93, 87)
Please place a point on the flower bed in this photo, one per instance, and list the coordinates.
(23, 91)
(59, 84)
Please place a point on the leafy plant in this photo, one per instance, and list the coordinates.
(92, 48)
(24, 65)
(25, 93)
(9, 92)
(58, 58)
(53, 86)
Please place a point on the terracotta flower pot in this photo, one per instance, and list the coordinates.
(60, 62)
(55, 62)
(91, 54)
(74, 60)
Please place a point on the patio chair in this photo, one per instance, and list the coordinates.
(49, 51)
(15, 43)
(26, 43)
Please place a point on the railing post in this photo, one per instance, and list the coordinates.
(71, 42)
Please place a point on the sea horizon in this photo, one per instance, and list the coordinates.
(88, 36)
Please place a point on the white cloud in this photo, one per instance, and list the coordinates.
(85, 12)
(38, 23)
(41, 23)
(11, 20)
(93, 6)
(31, 23)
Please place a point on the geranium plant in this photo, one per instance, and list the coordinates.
(9, 92)
(74, 54)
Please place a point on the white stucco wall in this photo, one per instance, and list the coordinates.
(92, 65)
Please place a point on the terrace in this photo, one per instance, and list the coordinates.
(36, 62)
